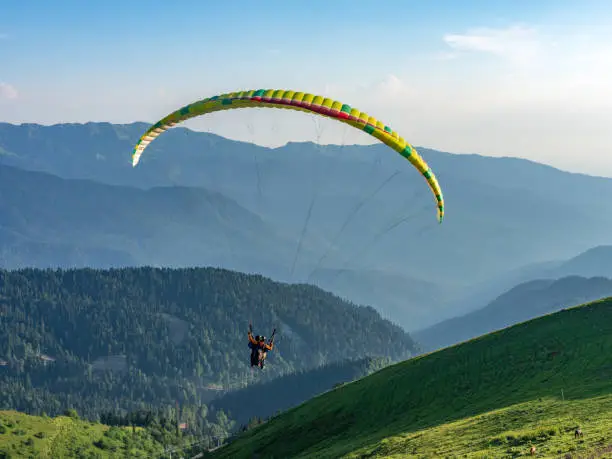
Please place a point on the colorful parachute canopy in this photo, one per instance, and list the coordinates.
(293, 100)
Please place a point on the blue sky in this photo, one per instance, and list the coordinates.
(518, 78)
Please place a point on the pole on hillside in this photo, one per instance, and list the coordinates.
(562, 395)
(177, 418)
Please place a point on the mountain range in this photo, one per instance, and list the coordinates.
(524, 302)
(72, 199)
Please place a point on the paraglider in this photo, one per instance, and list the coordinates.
(300, 101)
(259, 347)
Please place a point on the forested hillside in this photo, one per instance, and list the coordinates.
(258, 401)
(126, 339)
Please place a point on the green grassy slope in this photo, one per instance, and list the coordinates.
(494, 396)
(36, 436)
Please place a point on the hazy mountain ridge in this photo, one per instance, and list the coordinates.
(282, 393)
(523, 302)
(502, 213)
(115, 226)
(595, 262)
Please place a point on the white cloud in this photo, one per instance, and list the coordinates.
(388, 91)
(391, 87)
(8, 91)
(445, 56)
(535, 66)
(518, 43)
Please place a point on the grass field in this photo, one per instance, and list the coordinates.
(495, 396)
(65, 437)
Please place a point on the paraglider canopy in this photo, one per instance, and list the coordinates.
(300, 101)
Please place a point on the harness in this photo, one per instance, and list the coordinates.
(258, 349)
